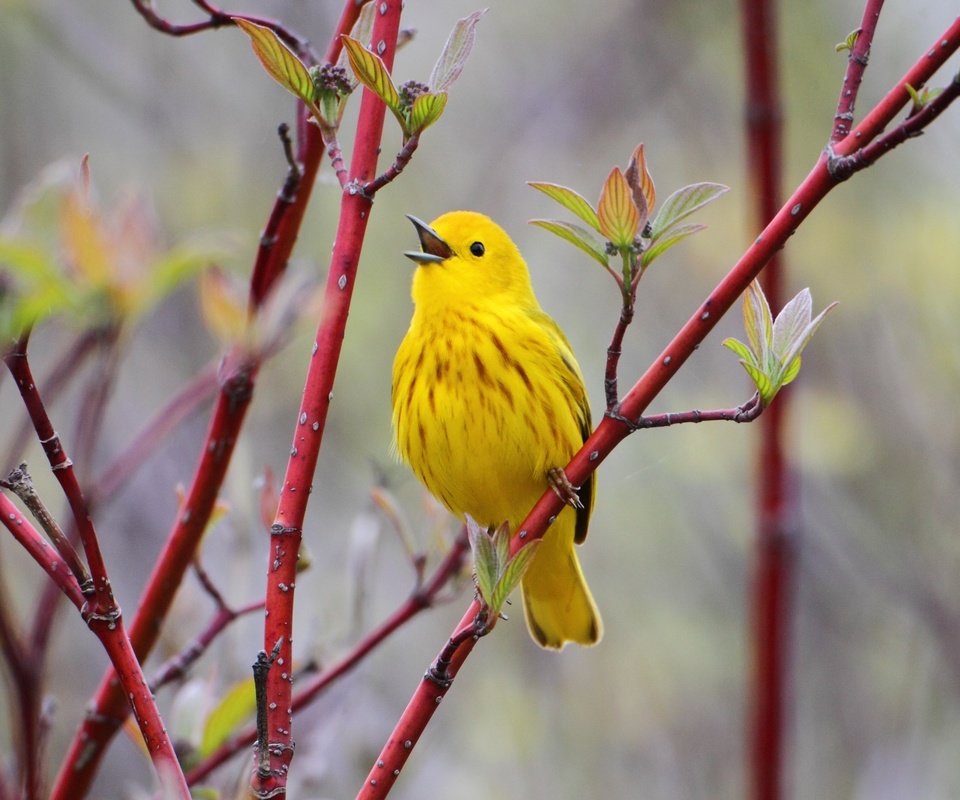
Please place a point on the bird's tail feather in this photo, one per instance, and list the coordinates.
(557, 602)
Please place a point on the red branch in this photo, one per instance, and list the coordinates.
(775, 545)
(98, 607)
(857, 60)
(610, 432)
(109, 707)
(287, 530)
(101, 603)
(40, 551)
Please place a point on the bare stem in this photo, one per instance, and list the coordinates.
(857, 60)
(398, 165)
(218, 18)
(21, 485)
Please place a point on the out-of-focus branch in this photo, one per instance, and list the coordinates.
(775, 543)
(217, 18)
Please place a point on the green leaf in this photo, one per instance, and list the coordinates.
(803, 339)
(791, 322)
(738, 347)
(791, 372)
(372, 73)
(764, 385)
(757, 322)
(279, 60)
(674, 236)
(485, 564)
(361, 31)
(501, 543)
(618, 215)
(849, 42)
(570, 200)
(684, 202)
(237, 706)
(513, 573)
(576, 236)
(426, 110)
(174, 268)
(455, 52)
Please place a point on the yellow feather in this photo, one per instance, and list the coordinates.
(487, 398)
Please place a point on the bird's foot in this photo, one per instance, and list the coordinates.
(562, 487)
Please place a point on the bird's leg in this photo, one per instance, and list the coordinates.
(562, 487)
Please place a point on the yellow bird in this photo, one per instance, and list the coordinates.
(489, 406)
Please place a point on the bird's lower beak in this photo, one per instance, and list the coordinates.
(434, 249)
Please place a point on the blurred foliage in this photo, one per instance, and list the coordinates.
(552, 89)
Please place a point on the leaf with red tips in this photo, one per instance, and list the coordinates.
(617, 213)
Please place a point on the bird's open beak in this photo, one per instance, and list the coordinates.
(434, 250)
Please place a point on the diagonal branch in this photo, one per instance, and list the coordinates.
(610, 432)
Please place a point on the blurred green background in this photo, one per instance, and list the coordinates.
(555, 91)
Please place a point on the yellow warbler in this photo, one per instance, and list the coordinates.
(489, 406)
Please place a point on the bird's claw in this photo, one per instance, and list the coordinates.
(562, 487)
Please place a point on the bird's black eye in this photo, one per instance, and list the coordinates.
(477, 249)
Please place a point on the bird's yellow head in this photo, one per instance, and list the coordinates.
(467, 257)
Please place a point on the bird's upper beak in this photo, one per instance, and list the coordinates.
(434, 250)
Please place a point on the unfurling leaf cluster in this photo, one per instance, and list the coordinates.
(624, 218)
(496, 573)
(325, 88)
(62, 254)
(772, 355)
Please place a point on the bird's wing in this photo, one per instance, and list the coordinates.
(573, 378)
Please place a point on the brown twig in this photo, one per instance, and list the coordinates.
(20, 483)
(747, 412)
(218, 18)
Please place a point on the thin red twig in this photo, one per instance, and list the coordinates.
(614, 351)
(747, 412)
(857, 59)
(394, 170)
(218, 18)
(287, 530)
(101, 602)
(99, 609)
